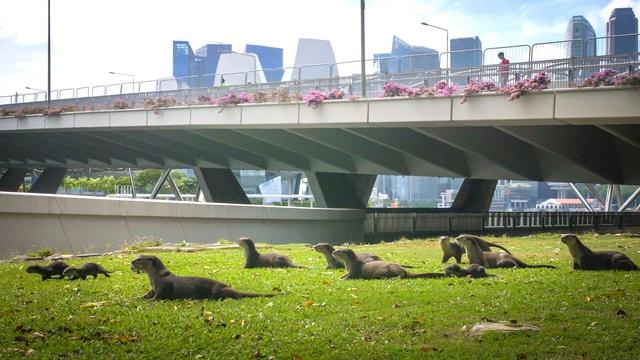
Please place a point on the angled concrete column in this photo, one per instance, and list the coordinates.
(49, 181)
(347, 191)
(12, 179)
(221, 186)
(474, 196)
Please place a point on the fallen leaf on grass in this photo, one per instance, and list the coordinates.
(94, 304)
(308, 303)
(30, 352)
(428, 348)
(296, 356)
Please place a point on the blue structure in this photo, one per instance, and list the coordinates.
(466, 52)
(203, 61)
(579, 28)
(622, 21)
(270, 58)
(410, 58)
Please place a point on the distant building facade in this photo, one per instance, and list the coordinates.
(622, 21)
(579, 28)
(271, 59)
(466, 52)
(314, 52)
(204, 61)
(404, 57)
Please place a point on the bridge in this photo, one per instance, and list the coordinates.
(560, 134)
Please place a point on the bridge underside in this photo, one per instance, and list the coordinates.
(572, 153)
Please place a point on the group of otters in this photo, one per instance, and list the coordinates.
(167, 286)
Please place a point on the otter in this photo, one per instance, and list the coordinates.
(88, 269)
(484, 244)
(358, 269)
(492, 260)
(332, 263)
(473, 271)
(55, 268)
(256, 260)
(586, 259)
(166, 286)
(450, 249)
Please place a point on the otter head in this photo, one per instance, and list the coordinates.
(477, 271)
(70, 272)
(346, 255)
(569, 239)
(146, 263)
(33, 268)
(452, 269)
(323, 248)
(465, 239)
(443, 239)
(246, 243)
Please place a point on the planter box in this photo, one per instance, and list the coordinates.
(31, 122)
(209, 115)
(274, 113)
(92, 119)
(169, 117)
(487, 108)
(410, 110)
(62, 121)
(124, 118)
(600, 105)
(334, 112)
(8, 123)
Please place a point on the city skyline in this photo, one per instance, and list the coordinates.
(118, 47)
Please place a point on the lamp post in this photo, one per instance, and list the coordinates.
(133, 79)
(363, 75)
(445, 30)
(49, 53)
(36, 97)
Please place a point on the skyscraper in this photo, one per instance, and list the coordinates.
(204, 61)
(270, 58)
(466, 52)
(622, 21)
(580, 29)
(405, 57)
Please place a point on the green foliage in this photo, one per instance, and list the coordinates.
(43, 252)
(583, 315)
(143, 243)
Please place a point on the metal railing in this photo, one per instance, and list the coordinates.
(417, 222)
(556, 57)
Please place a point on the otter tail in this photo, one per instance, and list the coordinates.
(241, 295)
(425, 276)
(499, 247)
(539, 266)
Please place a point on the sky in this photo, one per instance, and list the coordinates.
(91, 38)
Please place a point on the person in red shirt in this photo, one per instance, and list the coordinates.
(503, 69)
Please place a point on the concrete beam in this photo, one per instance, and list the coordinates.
(505, 151)
(345, 191)
(12, 179)
(49, 181)
(474, 196)
(220, 186)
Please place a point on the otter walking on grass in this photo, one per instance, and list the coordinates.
(333, 263)
(255, 260)
(358, 269)
(492, 260)
(56, 268)
(450, 249)
(88, 269)
(586, 259)
(166, 286)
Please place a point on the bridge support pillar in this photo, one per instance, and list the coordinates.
(12, 179)
(220, 186)
(475, 195)
(335, 190)
(49, 181)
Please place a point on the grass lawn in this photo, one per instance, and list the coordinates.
(317, 315)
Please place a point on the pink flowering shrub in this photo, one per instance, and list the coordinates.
(120, 104)
(476, 87)
(204, 99)
(392, 89)
(539, 82)
(601, 78)
(442, 88)
(233, 99)
(315, 97)
(627, 79)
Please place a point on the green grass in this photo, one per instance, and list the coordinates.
(319, 316)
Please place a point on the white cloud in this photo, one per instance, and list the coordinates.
(605, 12)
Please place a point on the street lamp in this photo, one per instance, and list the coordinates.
(445, 30)
(133, 79)
(363, 76)
(38, 90)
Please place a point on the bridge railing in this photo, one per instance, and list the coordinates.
(416, 222)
